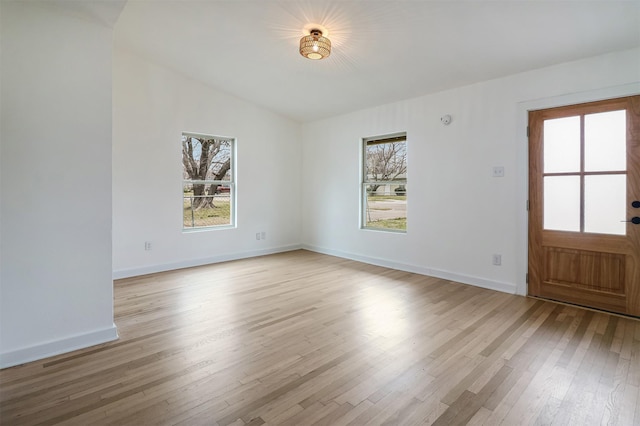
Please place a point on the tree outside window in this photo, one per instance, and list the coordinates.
(208, 185)
(384, 183)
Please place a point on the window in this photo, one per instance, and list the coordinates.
(585, 172)
(384, 183)
(208, 181)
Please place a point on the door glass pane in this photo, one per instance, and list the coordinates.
(605, 141)
(562, 145)
(604, 204)
(562, 203)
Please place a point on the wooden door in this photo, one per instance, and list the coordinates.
(584, 183)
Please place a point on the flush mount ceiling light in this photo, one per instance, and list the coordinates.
(315, 46)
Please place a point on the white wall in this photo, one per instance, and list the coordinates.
(56, 292)
(458, 214)
(152, 107)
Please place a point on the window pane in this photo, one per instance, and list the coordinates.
(206, 158)
(605, 142)
(562, 145)
(208, 182)
(604, 204)
(385, 161)
(385, 206)
(562, 203)
(384, 183)
(205, 210)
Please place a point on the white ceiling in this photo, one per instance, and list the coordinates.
(105, 12)
(383, 51)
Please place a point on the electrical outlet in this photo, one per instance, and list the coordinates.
(263, 235)
(498, 171)
(147, 245)
(497, 259)
(257, 235)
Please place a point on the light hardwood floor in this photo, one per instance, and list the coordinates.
(301, 338)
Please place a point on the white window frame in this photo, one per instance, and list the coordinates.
(231, 183)
(365, 181)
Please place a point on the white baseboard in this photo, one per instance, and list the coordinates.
(57, 347)
(447, 275)
(152, 269)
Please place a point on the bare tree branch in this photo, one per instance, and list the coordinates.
(205, 159)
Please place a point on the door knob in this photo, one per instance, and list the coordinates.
(635, 204)
(635, 220)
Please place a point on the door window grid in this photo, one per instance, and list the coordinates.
(559, 209)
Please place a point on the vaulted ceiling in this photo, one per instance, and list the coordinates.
(383, 51)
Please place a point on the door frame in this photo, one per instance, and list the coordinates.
(522, 161)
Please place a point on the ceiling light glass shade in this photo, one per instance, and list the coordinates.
(315, 46)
